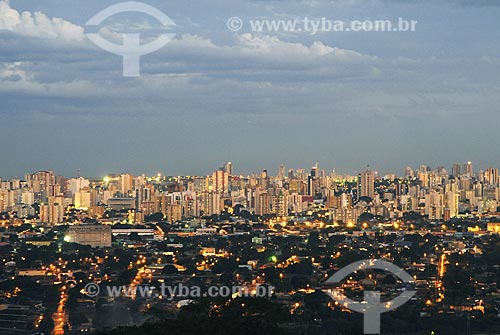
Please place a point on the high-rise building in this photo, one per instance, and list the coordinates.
(174, 213)
(280, 203)
(451, 203)
(126, 184)
(41, 182)
(456, 170)
(313, 182)
(434, 205)
(83, 198)
(264, 179)
(262, 202)
(366, 184)
(281, 172)
(491, 176)
(211, 203)
(220, 181)
(468, 170)
(76, 184)
(314, 171)
(229, 168)
(53, 211)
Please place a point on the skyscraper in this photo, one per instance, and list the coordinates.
(409, 172)
(468, 170)
(126, 184)
(220, 181)
(456, 170)
(229, 168)
(312, 181)
(281, 171)
(491, 176)
(366, 184)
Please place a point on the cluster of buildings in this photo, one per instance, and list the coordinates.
(436, 193)
(290, 230)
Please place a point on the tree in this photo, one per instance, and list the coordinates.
(169, 270)
(47, 324)
(134, 237)
(224, 265)
(156, 217)
(365, 217)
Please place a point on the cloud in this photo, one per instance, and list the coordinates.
(273, 46)
(261, 58)
(471, 3)
(13, 72)
(265, 48)
(38, 24)
(246, 57)
(248, 72)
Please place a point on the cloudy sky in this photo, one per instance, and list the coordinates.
(258, 99)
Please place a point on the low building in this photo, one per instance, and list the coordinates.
(119, 204)
(494, 227)
(93, 235)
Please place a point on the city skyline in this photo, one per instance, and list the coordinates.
(438, 193)
(242, 171)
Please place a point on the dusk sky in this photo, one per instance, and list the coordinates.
(343, 99)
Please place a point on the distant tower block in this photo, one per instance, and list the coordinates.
(229, 168)
(366, 184)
